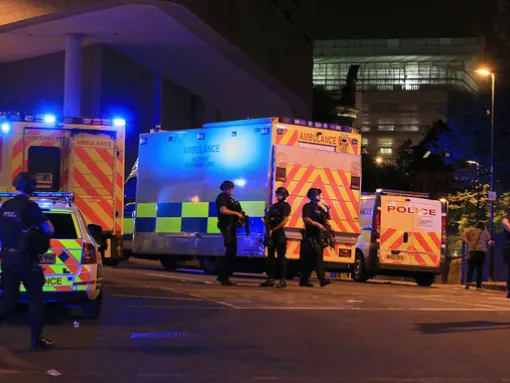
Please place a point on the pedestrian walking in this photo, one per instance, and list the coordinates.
(478, 241)
(24, 235)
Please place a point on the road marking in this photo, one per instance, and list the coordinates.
(351, 308)
(463, 303)
(202, 298)
(153, 297)
(164, 307)
(178, 278)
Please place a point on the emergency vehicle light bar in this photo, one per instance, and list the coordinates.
(52, 119)
(314, 124)
(40, 194)
(402, 193)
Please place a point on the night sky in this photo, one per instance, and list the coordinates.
(403, 18)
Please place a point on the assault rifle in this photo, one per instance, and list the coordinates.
(245, 221)
(327, 237)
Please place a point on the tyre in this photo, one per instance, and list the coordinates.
(359, 274)
(210, 265)
(169, 263)
(92, 309)
(425, 280)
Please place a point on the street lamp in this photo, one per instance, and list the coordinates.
(379, 160)
(485, 72)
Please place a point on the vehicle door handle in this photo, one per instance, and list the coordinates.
(406, 237)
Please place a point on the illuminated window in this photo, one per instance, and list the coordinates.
(365, 129)
(386, 151)
(364, 141)
(385, 142)
(386, 128)
(410, 129)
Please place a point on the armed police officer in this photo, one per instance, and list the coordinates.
(277, 217)
(24, 234)
(228, 219)
(312, 248)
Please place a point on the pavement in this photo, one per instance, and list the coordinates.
(183, 327)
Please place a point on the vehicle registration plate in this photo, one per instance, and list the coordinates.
(47, 259)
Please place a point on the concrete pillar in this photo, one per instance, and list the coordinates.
(157, 97)
(72, 79)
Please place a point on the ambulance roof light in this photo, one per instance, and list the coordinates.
(119, 122)
(49, 118)
(315, 124)
(5, 127)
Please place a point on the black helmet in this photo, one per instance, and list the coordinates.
(225, 185)
(24, 182)
(282, 191)
(313, 191)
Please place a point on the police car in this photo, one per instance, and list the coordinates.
(73, 265)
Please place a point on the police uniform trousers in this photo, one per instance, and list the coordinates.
(13, 274)
(277, 267)
(229, 262)
(311, 256)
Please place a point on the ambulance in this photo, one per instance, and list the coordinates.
(402, 233)
(82, 156)
(179, 174)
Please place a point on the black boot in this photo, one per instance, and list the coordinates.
(282, 284)
(268, 283)
(306, 284)
(325, 282)
(42, 342)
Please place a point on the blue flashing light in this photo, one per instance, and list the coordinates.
(49, 119)
(53, 194)
(8, 194)
(5, 127)
(240, 182)
(119, 122)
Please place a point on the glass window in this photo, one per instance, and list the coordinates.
(386, 128)
(386, 151)
(63, 224)
(364, 141)
(385, 142)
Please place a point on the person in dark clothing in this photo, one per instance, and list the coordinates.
(18, 216)
(478, 241)
(278, 216)
(506, 247)
(228, 219)
(312, 251)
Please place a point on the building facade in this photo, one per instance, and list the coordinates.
(405, 85)
(177, 63)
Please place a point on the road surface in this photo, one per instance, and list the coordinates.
(184, 327)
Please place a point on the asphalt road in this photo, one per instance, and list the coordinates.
(183, 327)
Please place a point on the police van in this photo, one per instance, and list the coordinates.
(402, 233)
(73, 265)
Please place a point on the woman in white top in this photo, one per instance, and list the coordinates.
(478, 241)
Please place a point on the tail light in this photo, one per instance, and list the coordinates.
(378, 224)
(443, 230)
(89, 254)
(119, 244)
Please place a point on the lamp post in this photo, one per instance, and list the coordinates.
(487, 73)
(471, 162)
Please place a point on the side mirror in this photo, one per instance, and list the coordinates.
(94, 229)
(96, 232)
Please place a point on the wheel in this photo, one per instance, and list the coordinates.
(359, 274)
(210, 265)
(168, 263)
(425, 279)
(92, 309)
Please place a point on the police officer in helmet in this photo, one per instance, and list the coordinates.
(278, 216)
(22, 225)
(312, 252)
(227, 223)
